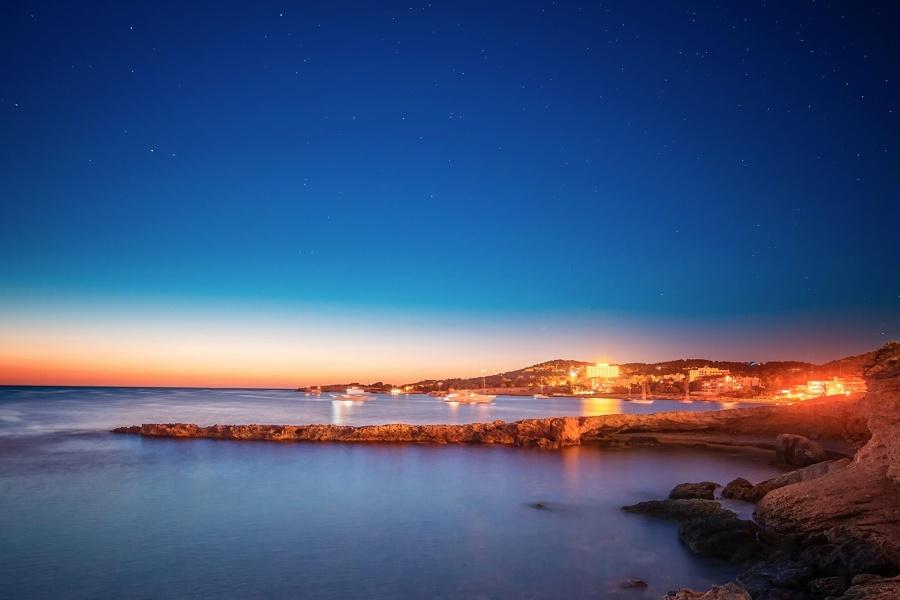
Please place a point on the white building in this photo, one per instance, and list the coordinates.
(603, 371)
(707, 371)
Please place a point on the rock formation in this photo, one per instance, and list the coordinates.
(856, 501)
(798, 451)
(834, 419)
(683, 491)
(832, 530)
(738, 489)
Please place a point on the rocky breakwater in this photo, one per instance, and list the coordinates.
(543, 433)
(835, 419)
(828, 530)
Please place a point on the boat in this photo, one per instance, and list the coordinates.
(353, 393)
(469, 398)
(685, 401)
(641, 401)
(541, 396)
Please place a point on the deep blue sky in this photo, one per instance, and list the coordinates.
(674, 163)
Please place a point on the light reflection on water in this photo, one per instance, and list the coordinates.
(592, 407)
(101, 515)
(44, 410)
(85, 515)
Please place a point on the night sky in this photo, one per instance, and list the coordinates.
(267, 193)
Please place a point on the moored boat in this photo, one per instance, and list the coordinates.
(353, 393)
(469, 398)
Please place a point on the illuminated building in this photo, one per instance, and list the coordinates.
(706, 371)
(730, 383)
(815, 388)
(602, 371)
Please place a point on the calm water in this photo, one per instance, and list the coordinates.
(91, 514)
(40, 410)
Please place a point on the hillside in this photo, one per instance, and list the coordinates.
(555, 374)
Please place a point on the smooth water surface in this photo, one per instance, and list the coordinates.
(98, 515)
(52, 409)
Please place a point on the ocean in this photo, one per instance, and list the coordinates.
(89, 514)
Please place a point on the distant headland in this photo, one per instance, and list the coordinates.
(787, 380)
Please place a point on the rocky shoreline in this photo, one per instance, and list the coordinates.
(830, 529)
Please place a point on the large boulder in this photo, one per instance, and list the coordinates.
(739, 489)
(704, 490)
(721, 536)
(845, 551)
(679, 510)
(779, 578)
(798, 451)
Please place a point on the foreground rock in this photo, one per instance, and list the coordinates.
(679, 510)
(721, 536)
(856, 505)
(832, 530)
(704, 490)
(798, 451)
(739, 489)
(705, 527)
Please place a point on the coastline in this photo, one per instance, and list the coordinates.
(829, 529)
(835, 421)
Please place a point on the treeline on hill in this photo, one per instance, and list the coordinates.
(532, 376)
(774, 374)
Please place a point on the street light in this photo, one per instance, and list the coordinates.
(482, 381)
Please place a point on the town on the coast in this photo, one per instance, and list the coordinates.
(697, 379)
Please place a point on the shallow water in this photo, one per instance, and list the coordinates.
(89, 515)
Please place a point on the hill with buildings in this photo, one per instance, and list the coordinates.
(787, 379)
(551, 373)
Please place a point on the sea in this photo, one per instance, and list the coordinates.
(85, 513)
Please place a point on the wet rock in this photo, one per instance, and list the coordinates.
(729, 591)
(704, 490)
(842, 551)
(787, 576)
(721, 536)
(798, 451)
(873, 587)
(632, 583)
(679, 510)
(739, 489)
(825, 587)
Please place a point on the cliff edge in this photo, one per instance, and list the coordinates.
(861, 501)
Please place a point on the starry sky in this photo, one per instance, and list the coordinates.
(278, 193)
